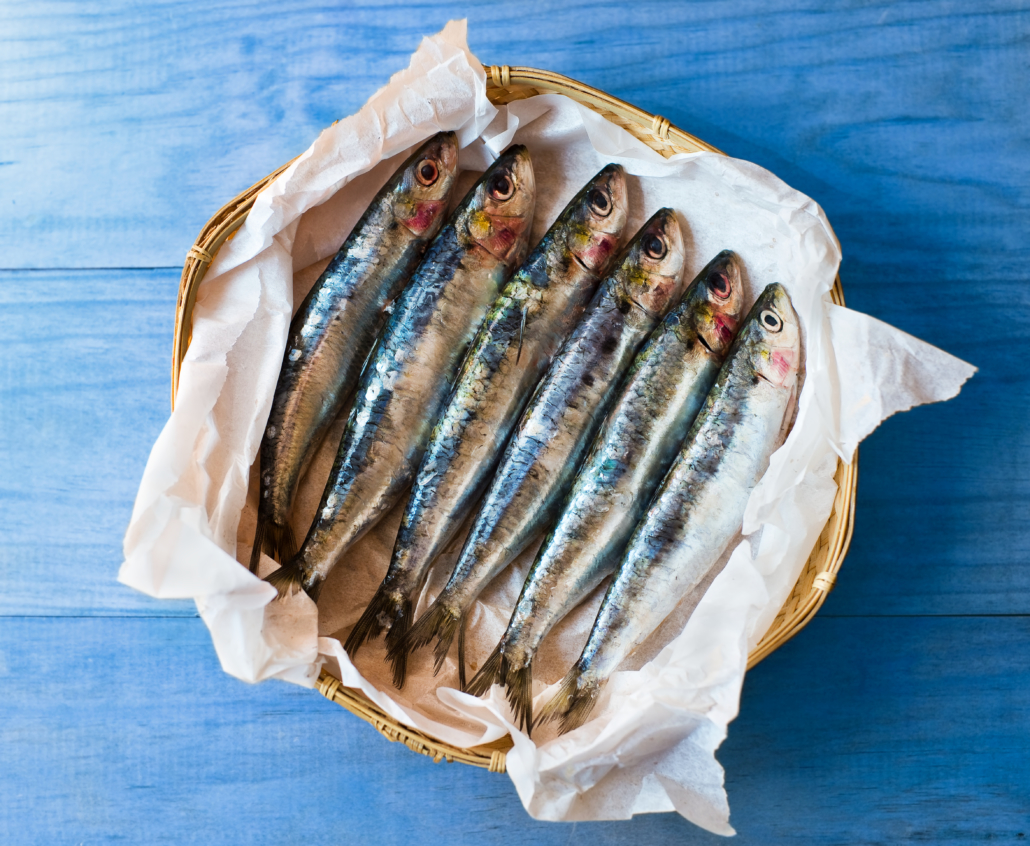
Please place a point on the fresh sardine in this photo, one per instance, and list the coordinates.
(637, 443)
(410, 372)
(566, 409)
(336, 325)
(521, 334)
(700, 505)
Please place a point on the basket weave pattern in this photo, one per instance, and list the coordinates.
(504, 85)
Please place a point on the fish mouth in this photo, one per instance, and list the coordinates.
(704, 343)
(644, 308)
(579, 261)
(767, 379)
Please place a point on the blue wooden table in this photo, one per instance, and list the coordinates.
(902, 713)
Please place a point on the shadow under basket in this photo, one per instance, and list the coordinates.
(505, 84)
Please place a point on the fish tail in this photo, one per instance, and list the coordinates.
(288, 580)
(400, 628)
(440, 622)
(573, 702)
(519, 681)
(275, 540)
(259, 542)
(388, 611)
(491, 673)
(461, 651)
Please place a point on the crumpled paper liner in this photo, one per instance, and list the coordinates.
(651, 743)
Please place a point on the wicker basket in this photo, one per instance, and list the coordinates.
(505, 84)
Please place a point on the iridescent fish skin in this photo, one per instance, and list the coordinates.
(700, 505)
(337, 323)
(567, 407)
(637, 443)
(524, 330)
(410, 371)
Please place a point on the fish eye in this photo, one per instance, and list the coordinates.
(599, 201)
(771, 320)
(501, 186)
(719, 285)
(653, 245)
(427, 172)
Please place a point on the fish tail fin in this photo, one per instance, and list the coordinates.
(461, 651)
(492, 672)
(573, 702)
(259, 542)
(369, 625)
(288, 580)
(398, 631)
(275, 540)
(519, 681)
(441, 622)
(388, 611)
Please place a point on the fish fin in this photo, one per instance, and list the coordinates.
(519, 681)
(388, 611)
(279, 539)
(275, 540)
(369, 626)
(400, 628)
(439, 622)
(387, 311)
(522, 333)
(461, 651)
(491, 673)
(259, 541)
(573, 702)
(288, 580)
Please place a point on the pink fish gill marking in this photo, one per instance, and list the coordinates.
(781, 362)
(597, 253)
(726, 326)
(425, 213)
(502, 239)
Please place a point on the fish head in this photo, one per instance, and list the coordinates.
(596, 219)
(651, 269)
(499, 208)
(424, 185)
(772, 333)
(716, 300)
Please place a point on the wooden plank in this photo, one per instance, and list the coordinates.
(125, 125)
(861, 731)
(83, 396)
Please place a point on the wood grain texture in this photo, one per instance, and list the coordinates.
(898, 715)
(912, 730)
(83, 396)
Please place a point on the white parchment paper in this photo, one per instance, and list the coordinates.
(651, 744)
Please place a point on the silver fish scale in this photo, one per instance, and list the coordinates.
(402, 389)
(549, 443)
(520, 336)
(697, 511)
(637, 443)
(328, 341)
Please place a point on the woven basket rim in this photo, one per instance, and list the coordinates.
(506, 84)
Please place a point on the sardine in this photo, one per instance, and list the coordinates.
(637, 443)
(566, 409)
(409, 375)
(337, 323)
(700, 505)
(521, 334)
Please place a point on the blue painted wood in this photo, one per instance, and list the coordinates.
(864, 731)
(84, 376)
(899, 714)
